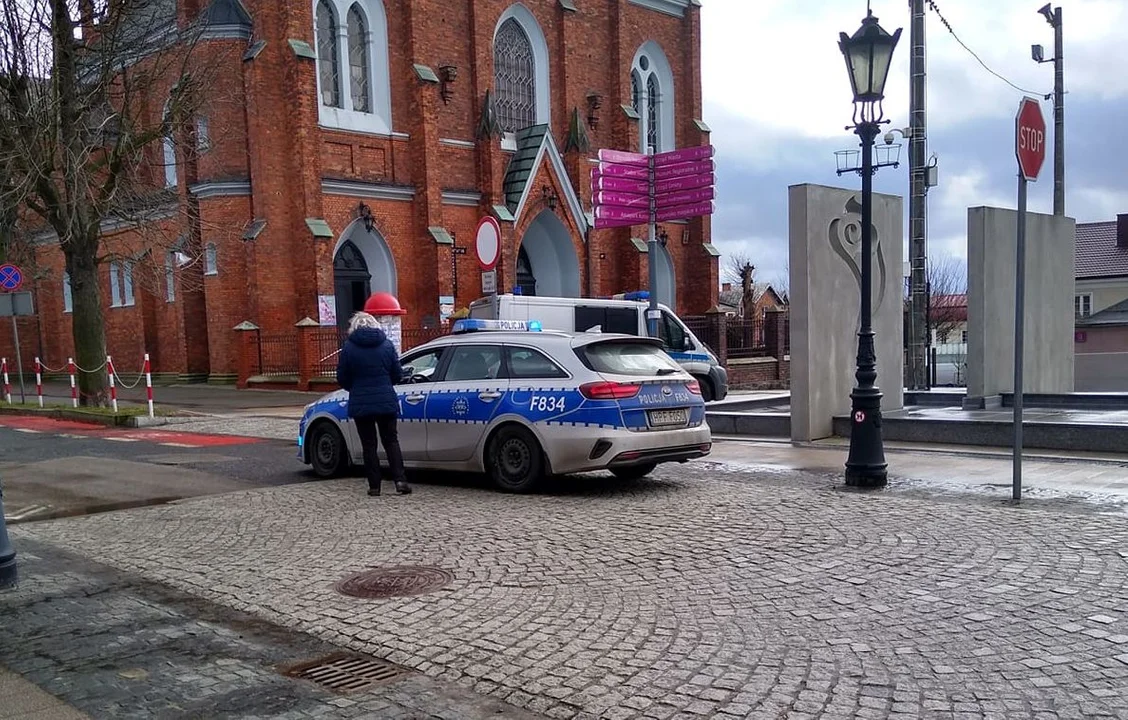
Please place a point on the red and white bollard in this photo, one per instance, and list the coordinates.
(113, 387)
(149, 384)
(39, 381)
(74, 389)
(7, 385)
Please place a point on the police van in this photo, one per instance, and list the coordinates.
(518, 403)
(624, 314)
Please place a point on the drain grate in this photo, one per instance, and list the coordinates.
(398, 581)
(346, 673)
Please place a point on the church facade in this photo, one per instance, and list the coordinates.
(353, 146)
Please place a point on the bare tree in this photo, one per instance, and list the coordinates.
(782, 285)
(947, 282)
(84, 129)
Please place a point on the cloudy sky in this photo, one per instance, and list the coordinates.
(777, 99)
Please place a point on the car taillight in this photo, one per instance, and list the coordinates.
(609, 390)
(694, 387)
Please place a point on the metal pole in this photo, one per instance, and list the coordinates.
(19, 360)
(918, 203)
(1059, 118)
(866, 465)
(652, 314)
(9, 573)
(1019, 331)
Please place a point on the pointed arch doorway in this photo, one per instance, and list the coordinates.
(352, 283)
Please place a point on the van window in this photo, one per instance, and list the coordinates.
(672, 332)
(610, 319)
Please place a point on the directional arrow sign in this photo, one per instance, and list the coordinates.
(604, 223)
(629, 216)
(697, 167)
(626, 158)
(624, 200)
(621, 185)
(690, 182)
(682, 212)
(688, 197)
(689, 154)
(625, 171)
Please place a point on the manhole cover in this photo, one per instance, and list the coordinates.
(394, 582)
(345, 673)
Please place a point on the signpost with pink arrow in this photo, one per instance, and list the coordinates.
(636, 189)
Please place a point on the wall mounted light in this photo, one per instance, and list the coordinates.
(663, 237)
(447, 75)
(364, 213)
(594, 102)
(549, 196)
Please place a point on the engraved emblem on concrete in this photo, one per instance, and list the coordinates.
(845, 233)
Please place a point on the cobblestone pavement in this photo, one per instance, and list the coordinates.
(706, 591)
(116, 647)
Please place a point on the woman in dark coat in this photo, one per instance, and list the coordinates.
(369, 368)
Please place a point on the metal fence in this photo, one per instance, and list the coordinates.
(706, 331)
(278, 354)
(746, 338)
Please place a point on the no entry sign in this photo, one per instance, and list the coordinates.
(1030, 138)
(487, 243)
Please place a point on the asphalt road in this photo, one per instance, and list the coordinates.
(56, 468)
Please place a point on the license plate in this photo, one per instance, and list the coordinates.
(660, 418)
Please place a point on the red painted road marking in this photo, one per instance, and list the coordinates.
(70, 427)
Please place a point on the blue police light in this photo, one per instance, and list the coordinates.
(637, 296)
(534, 326)
(469, 325)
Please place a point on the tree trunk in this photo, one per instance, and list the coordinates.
(88, 327)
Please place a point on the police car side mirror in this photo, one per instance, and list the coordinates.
(407, 371)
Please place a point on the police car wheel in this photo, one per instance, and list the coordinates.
(707, 393)
(515, 460)
(327, 451)
(635, 472)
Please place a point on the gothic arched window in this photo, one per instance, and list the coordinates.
(358, 60)
(652, 96)
(653, 123)
(515, 77)
(328, 60)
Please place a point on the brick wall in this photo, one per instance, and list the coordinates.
(263, 124)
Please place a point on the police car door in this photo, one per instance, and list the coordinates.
(412, 394)
(461, 405)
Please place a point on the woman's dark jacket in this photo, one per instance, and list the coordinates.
(369, 368)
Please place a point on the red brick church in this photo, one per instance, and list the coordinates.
(354, 145)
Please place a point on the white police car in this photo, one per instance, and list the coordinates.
(503, 398)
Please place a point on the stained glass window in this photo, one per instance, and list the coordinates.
(652, 100)
(327, 58)
(358, 60)
(515, 77)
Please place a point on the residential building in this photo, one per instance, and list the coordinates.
(353, 146)
(1101, 266)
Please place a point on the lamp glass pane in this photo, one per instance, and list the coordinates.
(882, 57)
(861, 66)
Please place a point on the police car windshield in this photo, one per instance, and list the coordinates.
(627, 358)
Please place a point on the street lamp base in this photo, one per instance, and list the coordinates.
(867, 477)
(865, 465)
(9, 573)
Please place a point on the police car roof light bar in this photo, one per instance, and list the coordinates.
(469, 325)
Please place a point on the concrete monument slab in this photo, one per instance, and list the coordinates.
(992, 238)
(825, 268)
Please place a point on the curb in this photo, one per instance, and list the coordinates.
(87, 417)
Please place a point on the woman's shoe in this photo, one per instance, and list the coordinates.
(373, 492)
(403, 488)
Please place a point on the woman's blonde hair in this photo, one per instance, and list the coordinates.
(362, 320)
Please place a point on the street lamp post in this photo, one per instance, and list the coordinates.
(868, 55)
(8, 571)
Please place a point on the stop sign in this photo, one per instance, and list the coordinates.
(1030, 138)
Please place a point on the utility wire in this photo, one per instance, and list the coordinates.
(946, 24)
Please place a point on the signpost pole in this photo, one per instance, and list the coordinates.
(1019, 331)
(19, 360)
(653, 313)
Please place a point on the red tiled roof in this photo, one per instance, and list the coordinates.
(1097, 253)
(948, 308)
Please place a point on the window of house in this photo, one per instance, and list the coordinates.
(352, 47)
(515, 76)
(211, 260)
(115, 288)
(168, 152)
(170, 277)
(68, 295)
(521, 72)
(121, 284)
(203, 134)
(652, 96)
(358, 60)
(1083, 304)
(963, 337)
